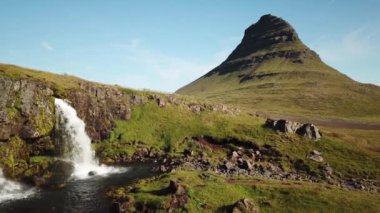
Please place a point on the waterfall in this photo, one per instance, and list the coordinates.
(10, 190)
(75, 144)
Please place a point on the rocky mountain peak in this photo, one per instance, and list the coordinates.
(264, 34)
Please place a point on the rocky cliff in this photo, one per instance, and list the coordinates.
(27, 114)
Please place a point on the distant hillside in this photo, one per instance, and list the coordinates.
(271, 70)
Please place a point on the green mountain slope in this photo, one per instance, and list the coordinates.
(192, 142)
(271, 70)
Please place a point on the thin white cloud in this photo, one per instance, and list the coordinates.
(354, 53)
(167, 72)
(47, 46)
(357, 44)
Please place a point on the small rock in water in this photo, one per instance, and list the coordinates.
(91, 173)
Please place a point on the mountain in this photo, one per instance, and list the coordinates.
(198, 147)
(272, 70)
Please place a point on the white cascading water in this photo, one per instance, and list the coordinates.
(10, 190)
(78, 144)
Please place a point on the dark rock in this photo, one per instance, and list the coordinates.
(283, 125)
(173, 100)
(163, 168)
(43, 146)
(115, 208)
(142, 152)
(99, 106)
(176, 188)
(309, 131)
(188, 152)
(91, 173)
(196, 108)
(178, 202)
(138, 100)
(229, 165)
(247, 165)
(161, 102)
(245, 206)
(189, 166)
(327, 170)
(61, 171)
(26, 109)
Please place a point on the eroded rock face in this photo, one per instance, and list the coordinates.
(99, 106)
(262, 42)
(26, 109)
(309, 131)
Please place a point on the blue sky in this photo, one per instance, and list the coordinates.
(163, 45)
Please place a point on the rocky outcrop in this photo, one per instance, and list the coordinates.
(262, 42)
(245, 206)
(309, 131)
(61, 171)
(99, 106)
(26, 109)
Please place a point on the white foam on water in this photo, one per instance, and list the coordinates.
(78, 144)
(11, 190)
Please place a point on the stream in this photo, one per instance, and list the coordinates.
(81, 195)
(85, 191)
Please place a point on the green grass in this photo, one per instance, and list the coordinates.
(166, 128)
(351, 153)
(211, 195)
(41, 159)
(311, 89)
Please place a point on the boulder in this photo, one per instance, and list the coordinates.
(229, 165)
(196, 108)
(61, 171)
(173, 100)
(245, 206)
(327, 170)
(176, 188)
(247, 165)
(161, 102)
(234, 155)
(308, 130)
(283, 125)
(188, 152)
(315, 156)
(138, 100)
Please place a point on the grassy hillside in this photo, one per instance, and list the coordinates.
(284, 77)
(216, 194)
(168, 129)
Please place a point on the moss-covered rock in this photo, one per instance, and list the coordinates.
(13, 157)
(26, 109)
